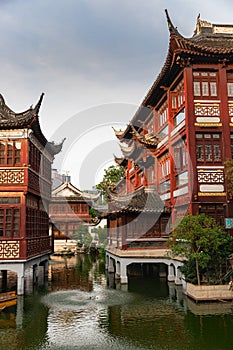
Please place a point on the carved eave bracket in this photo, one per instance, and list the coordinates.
(183, 61)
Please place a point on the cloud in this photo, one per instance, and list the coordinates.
(85, 53)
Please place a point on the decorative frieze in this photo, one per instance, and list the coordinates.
(9, 249)
(14, 134)
(11, 176)
(230, 109)
(207, 110)
(210, 176)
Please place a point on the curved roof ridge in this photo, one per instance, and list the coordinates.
(171, 27)
(77, 192)
(7, 113)
(209, 39)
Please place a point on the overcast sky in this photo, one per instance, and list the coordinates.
(95, 60)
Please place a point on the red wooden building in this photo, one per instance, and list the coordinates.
(177, 142)
(25, 190)
(69, 209)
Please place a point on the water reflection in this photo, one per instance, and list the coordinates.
(80, 309)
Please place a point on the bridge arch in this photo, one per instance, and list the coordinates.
(120, 266)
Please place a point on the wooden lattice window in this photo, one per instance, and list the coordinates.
(205, 84)
(230, 84)
(10, 153)
(182, 179)
(163, 115)
(45, 168)
(9, 221)
(177, 96)
(164, 167)
(165, 186)
(37, 222)
(180, 156)
(208, 148)
(34, 157)
(179, 117)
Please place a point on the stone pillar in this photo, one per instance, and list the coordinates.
(46, 268)
(111, 265)
(118, 271)
(111, 280)
(171, 275)
(35, 274)
(123, 271)
(29, 280)
(20, 283)
(178, 279)
(107, 262)
(172, 291)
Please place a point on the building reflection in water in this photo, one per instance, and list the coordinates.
(97, 313)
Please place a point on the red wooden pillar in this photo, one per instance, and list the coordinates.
(225, 119)
(124, 231)
(191, 140)
(172, 176)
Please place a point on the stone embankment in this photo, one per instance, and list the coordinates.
(208, 292)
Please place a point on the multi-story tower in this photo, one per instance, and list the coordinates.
(182, 134)
(25, 190)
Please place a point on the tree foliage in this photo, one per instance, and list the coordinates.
(111, 177)
(229, 175)
(205, 247)
(101, 234)
(82, 236)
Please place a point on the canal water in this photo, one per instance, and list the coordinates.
(82, 308)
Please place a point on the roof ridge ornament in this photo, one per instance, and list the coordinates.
(172, 29)
(2, 101)
(38, 105)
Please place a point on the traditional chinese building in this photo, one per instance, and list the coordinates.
(69, 209)
(25, 191)
(177, 142)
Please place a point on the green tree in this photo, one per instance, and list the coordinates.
(111, 177)
(83, 236)
(101, 234)
(204, 246)
(229, 175)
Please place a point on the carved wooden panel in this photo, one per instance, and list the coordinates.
(208, 176)
(38, 245)
(207, 110)
(45, 188)
(11, 176)
(230, 109)
(9, 249)
(33, 181)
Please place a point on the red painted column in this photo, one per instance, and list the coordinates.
(191, 140)
(225, 120)
(172, 173)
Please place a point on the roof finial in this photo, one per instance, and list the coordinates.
(37, 106)
(171, 27)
